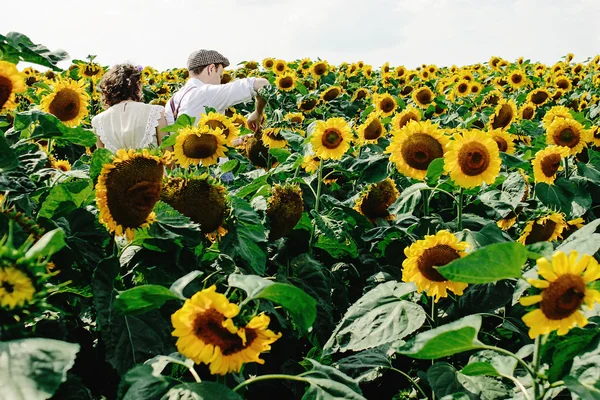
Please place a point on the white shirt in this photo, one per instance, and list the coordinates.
(128, 125)
(199, 95)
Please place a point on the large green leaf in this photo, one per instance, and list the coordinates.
(489, 264)
(65, 198)
(142, 299)
(140, 383)
(48, 244)
(365, 365)
(179, 285)
(560, 351)
(32, 369)
(15, 47)
(443, 379)
(585, 391)
(585, 240)
(379, 317)
(408, 199)
(47, 126)
(558, 196)
(327, 383)
(9, 160)
(446, 340)
(99, 158)
(201, 391)
(583, 378)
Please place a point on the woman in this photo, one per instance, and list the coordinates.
(127, 123)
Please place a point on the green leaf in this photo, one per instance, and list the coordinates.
(301, 88)
(9, 160)
(50, 127)
(446, 340)
(365, 365)
(328, 383)
(435, 171)
(34, 368)
(539, 250)
(408, 199)
(229, 166)
(584, 240)
(52, 242)
(566, 349)
(443, 379)
(379, 317)
(180, 284)
(140, 383)
(479, 368)
(142, 299)
(99, 158)
(558, 196)
(65, 198)
(15, 47)
(251, 284)
(201, 391)
(280, 154)
(488, 362)
(584, 391)
(183, 121)
(348, 248)
(489, 264)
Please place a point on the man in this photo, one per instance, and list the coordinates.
(204, 89)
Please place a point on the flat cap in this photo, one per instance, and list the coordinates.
(200, 58)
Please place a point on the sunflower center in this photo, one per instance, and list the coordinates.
(501, 142)
(286, 82)
(320, 69)
(6, 87)
(377, 201)
(503, 118)
(405, 119)
(8, 287)
(331, 138)
(541, 232)
(424, 96)
(563, 297)
(308, 104)
(437, 256)
(65, 105)
(269, 64)
(420, 149)
(462, 88)
(373, 130)
(539, 97)
(473, 158)
(406, 90)
(208, 327)
(567, 137)
(528, 113)
(550, 164)
(203, 146)
(562, 83)
(387, 105)
(280, 67)
(331, 94)
(361, 94)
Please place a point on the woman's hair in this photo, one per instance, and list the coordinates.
(121, 82)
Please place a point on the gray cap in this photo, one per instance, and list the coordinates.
(201, 58)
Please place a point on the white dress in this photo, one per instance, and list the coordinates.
(128, 125)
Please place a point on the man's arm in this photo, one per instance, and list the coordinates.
(224, 96)
(255, 119)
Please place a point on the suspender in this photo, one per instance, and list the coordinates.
(174, 110)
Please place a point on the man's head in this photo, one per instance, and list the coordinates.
(207, 65)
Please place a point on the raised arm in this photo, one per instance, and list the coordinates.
(255, 119)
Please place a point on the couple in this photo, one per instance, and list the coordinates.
(128, 123)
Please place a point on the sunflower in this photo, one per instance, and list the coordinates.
(239, 121)
(331, 138)
(475, 88)
(215, 121)
(280, 66)
(564, 289)
(462, 88)
(198, 198)
(226, 78)
(286, 81)
(573, 226)
(206, 333)
(331, 93)
(63, 165)
(127, 190)
(562, 82)
(527, 111)
(308, 104)
(16, 288)
(517, 79)
(568, 133)
(423, 96)
(507, 222)
(318, 69)
(256, 151)
(376, 199)
(284, 210)
(538, 96)
(90, 70)
(311, 163)
(296, 118)
(360, 94)
(544, 229)
(68, 102)
(472, 158)
(554, 113)
(415, 146)
(384, 103)
(422, 258)
(11, 83)
(399, 71)
(407, 115)
(504, 140)
(406, 90)
(595, 135)
(547, 163)
(268, 63)
(504, 115)
(195, 145)
(372, 129)
(272, 138)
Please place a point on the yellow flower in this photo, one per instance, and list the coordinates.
(422, 258)
(562, 82)
(462, 88)
(384, 103)
(564, 290)
(568, 133)
(214, 120)
(268, 63)
(538, 96)
(318, 69)
(423, 96)
(517, 79)
(127, 190)
(68, 102)
(472, 158)
(308, 104)
(285, 210)
(272, 138)
(63, 165)
(206, 333)
(360, 94)
(547, 163)
(504, 115)
(544, 229)
(11, 83)
(280, 66)
(286, 81)
(296, 118)
(331, 138)
(415, 146)
(554, 113)
(400, 120)
(90, 70)
(16, 288)
(195, 145)
(527, 111)
(331, 93)
(504, 140)
(371, 130)
(376, 199)
(311, 163)
(507, 222)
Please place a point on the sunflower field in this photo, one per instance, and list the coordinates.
(388, 233)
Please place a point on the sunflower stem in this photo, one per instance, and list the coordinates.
(195, 375)
(566, 160)
(536, 361)
(269, 377)
(426, 197)
(319, 183)
(460, 208)
(412, 381)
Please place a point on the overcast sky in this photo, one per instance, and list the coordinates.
(162, 33)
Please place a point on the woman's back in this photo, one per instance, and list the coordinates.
(128, 125)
